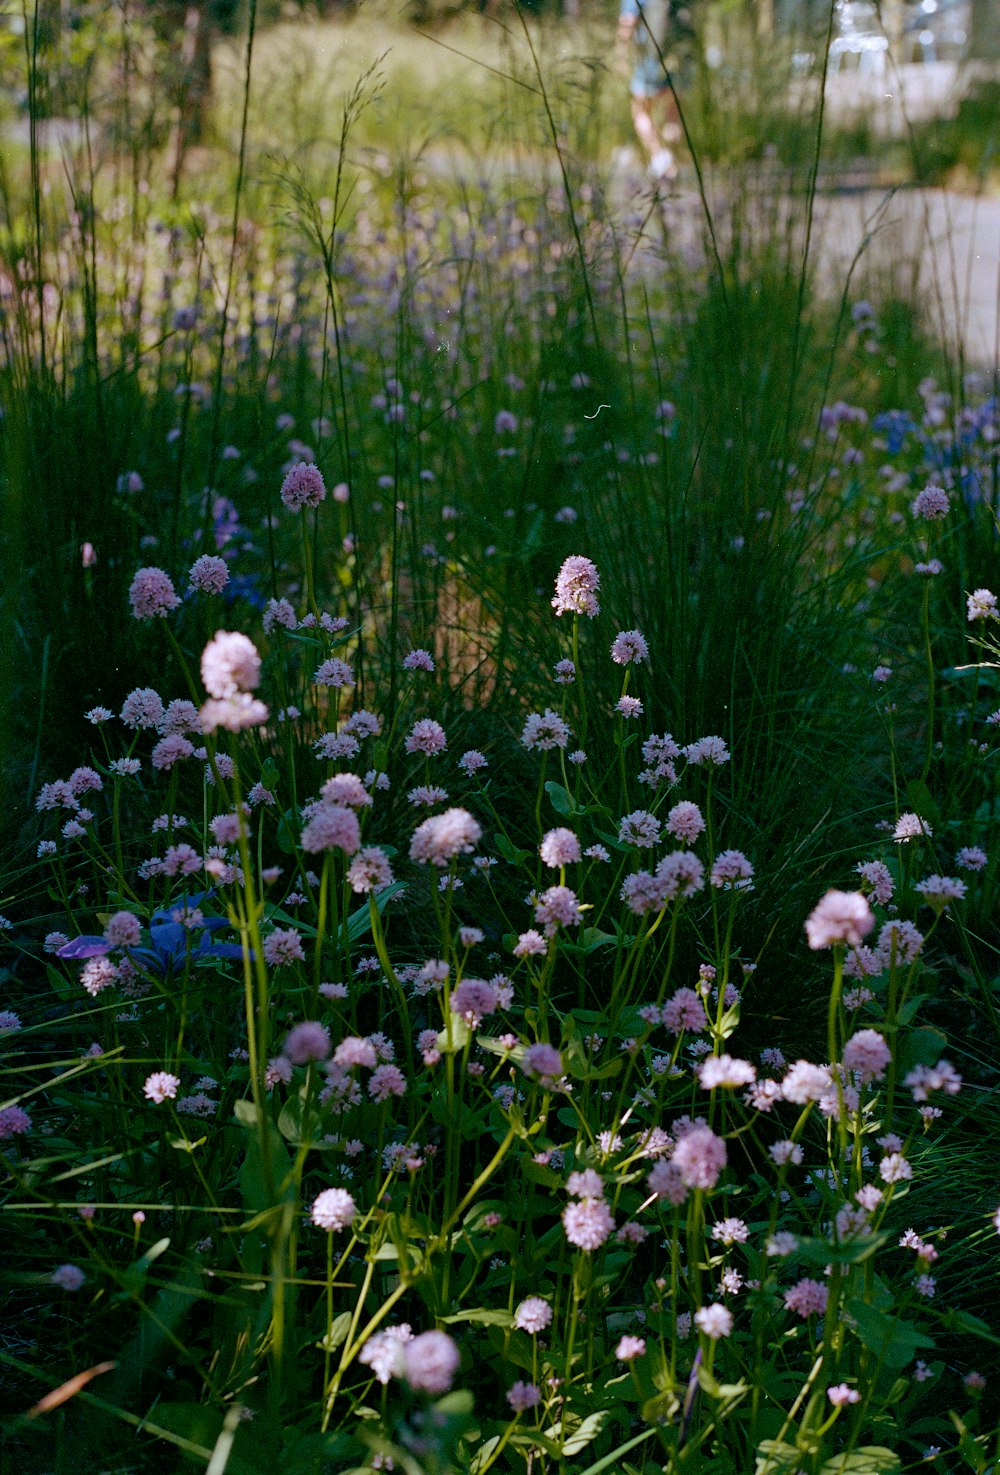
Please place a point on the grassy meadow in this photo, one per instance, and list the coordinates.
(498, 707)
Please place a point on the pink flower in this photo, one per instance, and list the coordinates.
(557, 907)
(142, 708)
(302, 487)
(443, 837)
(587, 1223)
(152, 594)
(307, 1041)
(332, 827)
(909, 826)
(684, 1010)
(208, 574)
(68, 1277)
(161, 1086)
(982, 605)
(841, 1394)
(685, 822)
(711, 750)
(932, 504)
(938, 891)
(543, 1063)
(577, 583)
(386, 1081)
(629, 646)
(471, 762)
(681, 873)
(426, 736)
(533, 1315)
(841, 916)
(369, 870)
(731, 868)
(530, 944)
(97, 975)
(866, 1055)
(544, 731)
(805, 1082)
(715, 1321)
(807, 1298)
(629, 1348)
(473, 1000)
(878, 880)
(971, 858)
(523, 1396)
(560, 847)
(123, 930)
(333, 1210)
(335, 673)
(700, 1157)
(430, 1362)
(585, 1184)
(629, 706)
(723, 1070)
(418, 660)
(283, 946)
(230, 665)
(170, 750)
(640, 828)
(383, 1352)
(665, 1181)
(14, 1122)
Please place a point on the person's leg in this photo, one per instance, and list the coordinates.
(658, 129)
(645, 128)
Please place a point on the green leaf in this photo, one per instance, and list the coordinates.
(850, 1252)
(359, 923)
(922, 800)
(509, 852)
(584, 1434)
(562, 800)
(339, 1328)
(965, 1322)
(461, 1034)
(893, 1341)
(64, 987)
(479, 1316)
(867, 1459)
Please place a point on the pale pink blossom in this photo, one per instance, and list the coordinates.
(560, 847)
(577, 584)
(333, 1210)
(700, 1157)
(161, 1086)
(302, 487)
(807, 1298)
(152, 594)
(588, 1222)
(714, 1321)
(443, 837)
(841, 916)
(209, 574)
(430, 1362)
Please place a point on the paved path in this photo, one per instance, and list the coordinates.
(940, 248)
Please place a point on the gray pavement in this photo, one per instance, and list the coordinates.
(938, 249)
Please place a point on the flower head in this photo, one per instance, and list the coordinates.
(152, 594)
(303, 486)
(629, 646)
(577, 583)
(443, 837)
(430, 1362)
(161, 1086)
(333, 1210)
(841, 916)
